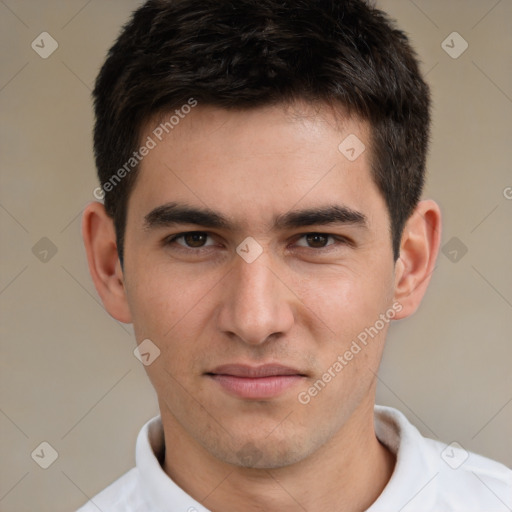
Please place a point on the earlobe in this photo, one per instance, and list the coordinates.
(418, 253)
(100, 243)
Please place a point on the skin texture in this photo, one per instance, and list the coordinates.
(301, 303)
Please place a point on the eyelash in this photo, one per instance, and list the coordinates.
(339, 240)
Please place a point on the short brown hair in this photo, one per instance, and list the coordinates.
(242, 54)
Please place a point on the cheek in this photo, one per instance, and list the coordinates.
(158, 302)
(345, 302)
(170, 308)
(349, 343)
(161, 311)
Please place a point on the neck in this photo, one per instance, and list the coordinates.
(347, 474)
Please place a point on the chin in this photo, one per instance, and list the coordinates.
(264, 453)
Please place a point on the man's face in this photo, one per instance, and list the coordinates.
(300, 304)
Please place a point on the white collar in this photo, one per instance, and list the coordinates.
(158, 488)
(413, 484)
(414, 474)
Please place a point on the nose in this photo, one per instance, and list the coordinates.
(256, 302)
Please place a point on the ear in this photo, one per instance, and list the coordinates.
(418, 252)
(100, 243)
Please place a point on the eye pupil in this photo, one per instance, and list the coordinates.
(195, 239)
(317, 240)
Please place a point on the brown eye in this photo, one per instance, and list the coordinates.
(190, 240)
(195, 240)
(317, 240)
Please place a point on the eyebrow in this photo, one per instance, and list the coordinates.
(172, 214)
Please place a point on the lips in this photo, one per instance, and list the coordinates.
(256, 382)
(268, 370)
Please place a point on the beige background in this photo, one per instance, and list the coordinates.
(68, 374)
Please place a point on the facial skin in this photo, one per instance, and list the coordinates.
(301, 303)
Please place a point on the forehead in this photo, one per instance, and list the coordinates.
(256, 163)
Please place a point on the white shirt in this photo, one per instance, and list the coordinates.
(428, 476)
